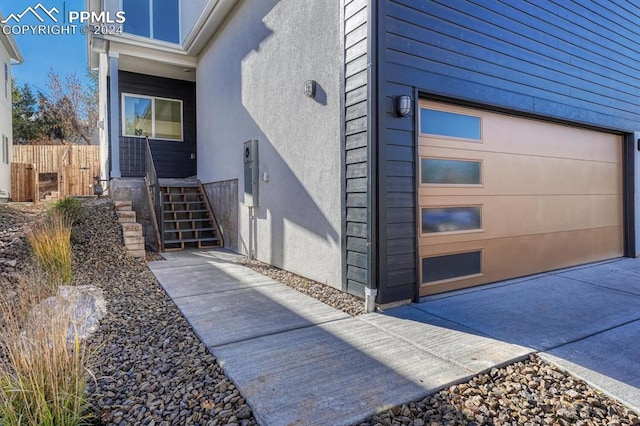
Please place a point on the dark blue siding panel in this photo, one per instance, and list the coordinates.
(172, 159)
(356, 152)
(527, 56)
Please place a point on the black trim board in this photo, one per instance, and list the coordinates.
(629, 145)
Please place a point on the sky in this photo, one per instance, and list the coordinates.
(64, 53)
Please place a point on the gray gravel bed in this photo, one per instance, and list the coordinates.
(529, 393)
(331, 296)
(150, 367)
(14, 251)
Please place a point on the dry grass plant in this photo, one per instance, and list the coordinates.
(68, 207)
(42, 375)
(50, 240)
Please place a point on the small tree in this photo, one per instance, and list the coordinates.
(27, 123)
(71, 109)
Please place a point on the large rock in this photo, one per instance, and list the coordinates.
(81, 308)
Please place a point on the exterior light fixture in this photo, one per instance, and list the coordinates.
(403, 105)
(310, 88)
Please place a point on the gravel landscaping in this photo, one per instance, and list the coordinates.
(150, 366)
(530, 393)
(331, 296)
(151, 369)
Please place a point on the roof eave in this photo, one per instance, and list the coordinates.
(211, 19)
(12, 47)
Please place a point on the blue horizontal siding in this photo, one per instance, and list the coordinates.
(581, 55)
(171, 158)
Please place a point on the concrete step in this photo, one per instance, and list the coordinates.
(126, 216)
(131, 230)
(123, 205)
(140, 254)
(134, 247)
(131, 234)
(137, 239)
(132, 227)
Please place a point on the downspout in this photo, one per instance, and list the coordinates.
(114, 114)
(633, 192)
(371, 289)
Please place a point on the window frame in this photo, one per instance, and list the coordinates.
(456, 232)
(151, 23)
(452, 185)
(480, 118)
(481, 253)
(153, 116)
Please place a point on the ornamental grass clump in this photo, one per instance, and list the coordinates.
(42, 374)
(69, 208)
(50, 241)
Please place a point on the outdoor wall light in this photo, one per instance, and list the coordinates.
(403, 105)
(310, 88)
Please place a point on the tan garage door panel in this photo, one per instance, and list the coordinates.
(534, 196)
(502, 217)
(520, 174)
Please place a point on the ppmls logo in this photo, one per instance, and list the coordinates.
(99, 23)
(34, 12)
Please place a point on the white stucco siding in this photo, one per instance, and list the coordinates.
(5, 122)
(250, 85)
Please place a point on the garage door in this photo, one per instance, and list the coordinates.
(503, 196)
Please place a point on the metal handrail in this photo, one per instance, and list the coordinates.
(156, 196)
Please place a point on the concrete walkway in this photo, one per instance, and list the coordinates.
(298, 361)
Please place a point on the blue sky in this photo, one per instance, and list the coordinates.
(64, 53)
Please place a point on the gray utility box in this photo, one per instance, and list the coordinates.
(251, 174)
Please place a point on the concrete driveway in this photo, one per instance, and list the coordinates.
(585, 319)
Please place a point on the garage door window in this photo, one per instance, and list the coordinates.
(438, 268)
(450, 124)
(457, 172)
(451, 219)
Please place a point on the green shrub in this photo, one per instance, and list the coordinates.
(68, 207)
(50, 241)
(42, 377)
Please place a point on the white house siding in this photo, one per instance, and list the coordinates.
(5, 122)
(250, 85)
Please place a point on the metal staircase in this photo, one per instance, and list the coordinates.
(187, 219)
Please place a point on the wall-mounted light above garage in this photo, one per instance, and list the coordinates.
(403, 105)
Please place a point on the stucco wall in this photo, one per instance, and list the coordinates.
(5, 122)
(250, 85)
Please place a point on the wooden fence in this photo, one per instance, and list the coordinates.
(75, 165)
(24, 182)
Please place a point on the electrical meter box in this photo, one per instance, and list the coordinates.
(251, 173)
